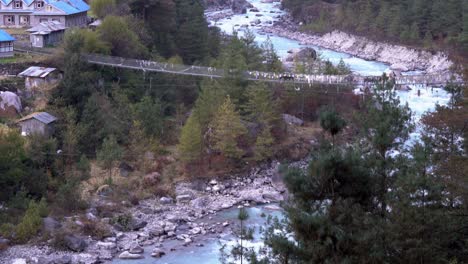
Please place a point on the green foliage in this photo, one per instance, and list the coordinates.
(123, 221)
(110, 153)
(191, 144)
(331, 121)
(150, 114)
(207, 104)
(192, 34)
(68, 196)
(13, 169)
(226, 128)
(116, 32)
(102, 8)
(263, 144)
(31, 222)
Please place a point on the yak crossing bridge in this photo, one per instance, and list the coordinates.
(210, 72)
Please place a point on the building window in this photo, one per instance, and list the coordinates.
(39, 4)
(6, 46)
(24, 20)
(49, 8)
(43, 20)
(18, 5)
(9, 20)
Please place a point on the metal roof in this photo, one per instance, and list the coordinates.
(69, 7)
(5, 36)
(35, 71)
(43, 117)
(47, 27)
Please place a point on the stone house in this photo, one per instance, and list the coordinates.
(45, 34)
(37, 77)
(6, 44)
(37, 123)
(27, 13)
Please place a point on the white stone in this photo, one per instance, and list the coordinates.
(128, 255)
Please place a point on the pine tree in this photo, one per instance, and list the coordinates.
(331, 122)
(109, 154)
(190, 143)
(386, 126)
(226, 129)
(192, 34)
(272, 62)
(207, 104)
(263, 144)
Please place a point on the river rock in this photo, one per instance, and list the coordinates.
(157, 231)
(128, 255)
(63, 260)
(138, 224)
(213, 182)
(273, 197)
(201, 202)
(183, 198)
(4, 243)
(19, 261)
(135, 248)
(104, 190)
(157, 253)
(75, 243)
(292, 120)
(196, 230)
(240, 6)
(106, 245)
(166, 200)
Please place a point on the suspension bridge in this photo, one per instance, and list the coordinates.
(287, 77)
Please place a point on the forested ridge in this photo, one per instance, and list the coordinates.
(428, 23)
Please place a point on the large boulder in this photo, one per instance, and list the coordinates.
(10, 104)
(240, 6)
(75, 243)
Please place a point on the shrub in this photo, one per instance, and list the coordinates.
(31, 222)
(7, 230)
(123, 221)
(95, 229)
(69, 198)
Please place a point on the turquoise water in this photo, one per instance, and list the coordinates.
(282, 45)
(209, 253)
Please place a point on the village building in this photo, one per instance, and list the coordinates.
(29, 13)
(6, 44)
(41, 123)
(45, 34)
(37, 77)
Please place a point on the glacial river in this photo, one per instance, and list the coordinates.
(209, 253)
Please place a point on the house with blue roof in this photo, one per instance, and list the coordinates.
(29, 13)
(6, 44)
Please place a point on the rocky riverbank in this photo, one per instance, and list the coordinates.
(161, 225)
(399, 57)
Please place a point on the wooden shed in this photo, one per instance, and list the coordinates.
(37, 77)
(37, 123)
